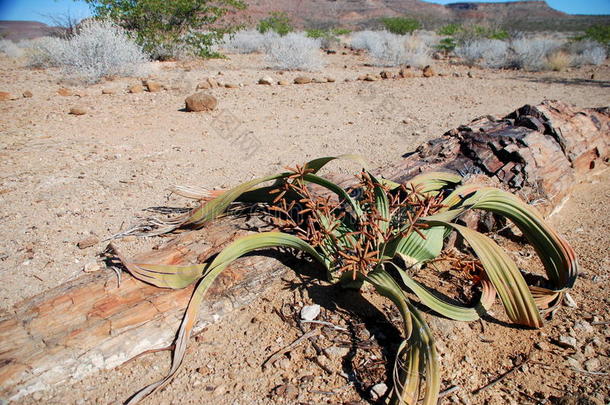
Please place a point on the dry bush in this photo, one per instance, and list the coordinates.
(99, 49)
(532, 53)
(294, 51)
(491, 53)
(10, 49)
(249, 41)
(393, 50)
(587, 53)
(559, 61)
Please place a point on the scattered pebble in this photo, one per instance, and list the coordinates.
(78, 111)
(200, 102)
(378, 391)
(310, 312)
(87, 242)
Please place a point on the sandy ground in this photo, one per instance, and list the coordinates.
(65, 177)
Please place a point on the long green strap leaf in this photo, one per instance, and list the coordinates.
(437, 304)
(416, 359)
(232, 252)
(504, 275)
(557, 256)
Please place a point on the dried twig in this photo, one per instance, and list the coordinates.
(291, 346)
(501, 377)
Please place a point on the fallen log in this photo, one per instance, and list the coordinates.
(91, 324)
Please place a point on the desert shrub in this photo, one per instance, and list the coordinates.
(341, 31)
(278, 22)
(327, 38)
(559, 61)
(10, 49)
(532, 53)
(449, 29)
(100, 49)
(587, 53)
(294, 51)
(417, 51)
(400, 25)
(365, 39)
(599, 34)
(166, 27)
(446, 45)
(473, 32)
(393, 50)
(490, 53)
(246, 41)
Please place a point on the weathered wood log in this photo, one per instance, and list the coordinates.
(90, 324)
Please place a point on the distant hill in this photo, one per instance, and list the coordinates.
(359, 14)
(520, 15)
(18, 30)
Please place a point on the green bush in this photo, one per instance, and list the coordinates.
(449, 29)
(167, 28)
(340, 31)
(446, 45)
(278, 22)
(317, 33)
(598, 33)
(400, 25)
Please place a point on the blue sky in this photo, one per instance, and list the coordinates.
(39, 10)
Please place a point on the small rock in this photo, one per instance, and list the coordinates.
(541, 346)
(330, 79)
(406, 73)
(589, 351)
(5, 96)
(569, 301)
(317, 80)
(361, 77)
(93, 267)
(78, 111)
(593, 364)
(283, 82)
(369, 78)
(302, 80)
(428, 71)
(338, 352)
(108, 91)
(27, 94)
(283, 363)
(456, 74)
(136, 88)
(310, 312)
(204, 86)
(200, 102)
(221, 389)
(152, 86)
(567, 342)
(469, 74)
(65, 92)
(231, 86)
(386, 75)
(287, 391)
(87, 242)
(378, 391)
(578, 400)
(267, 81)
(584, 326)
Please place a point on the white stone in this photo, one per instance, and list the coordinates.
(310, 312)
(378, 390)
